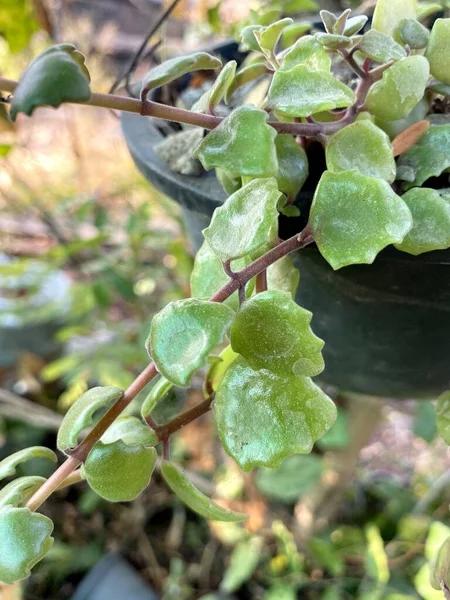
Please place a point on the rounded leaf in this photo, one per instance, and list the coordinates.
(309, 52)
(412, 33)
(333, 41)
(119, 472)
(194, 498)
(184, 333)
(262, 417)
(394, 128)
(57, 75)
(246, 222)
(438, 50)
(243, 145)
(431, 222)
(400, 89)
(380, 47)
(301, 92)
(158, 391)
(355, 24)
(272, 332)
(248, 38)
(24, 540)
(388, 14)
(362, 146)
(353, 217)
(79, 416)
(283, 276)
(8, 465)
(131, 431)
(19, 491)
(292, 165)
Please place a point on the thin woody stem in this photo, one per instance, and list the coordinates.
(165, 431)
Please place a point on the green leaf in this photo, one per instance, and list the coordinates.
(355, 24)
(243, 561)
(292, 165)
(183, 334)
(412, 33)
(430, 156)
(376, 559)
(272, 332)
(250, 404)
(443, 416)
(229, 184)
(300, 92)
(283, 276)
(388, 14)
(326, 556)
(57, 75)
(309, 52)
(362, 146)
(220, 367)
(353, 217)
(425, 10)
(234, 231)
(440, 567)
(158, 391)
(79, 416)
(333, 41)
(427, 577)
(431, 222)
(20, 490)
(297, 475)
(295, 6)
(131, 431)
(380, 47)
(438, 50)
(24, 540)
(393, 128)
(291, 33)
(219, 90)
(400, 89)
(248, 38)
(243, 145)
(329, 20)
(119, 472)
(424, 424)
(179, 483)
(8, 465)
(208, 276)
(269, 36)
(246, 75)
(176, 67)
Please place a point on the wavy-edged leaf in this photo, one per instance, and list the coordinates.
(309, 52)
(19, 491)
(388, 14)
(243, 145)
(131, 431)
(8, 465)
(176, 67)
(272, 332)
(24, 540)
(443, 416)
(157, 393)
(184, 333)
(362, 146)
(429, 157)
(262, 418)
(293, 165)
(79, 416)
(400, 89)
(283, 276)
(119, 472)
(179, 483)
(219, 90)
(57, 75)
(301, 92)
(438, 50)
(380, 47)
(246, 222)
(353, 217)
(412, 33)
(431, 222)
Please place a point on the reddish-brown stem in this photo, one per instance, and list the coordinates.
(165, 431)
(261, 282)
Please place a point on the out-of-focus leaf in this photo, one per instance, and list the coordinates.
(438, 50)
(243, 562)
(296, 476)
(8, 465)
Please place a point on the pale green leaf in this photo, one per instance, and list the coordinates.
(438, 50)
(293, 32)
(219, 90)
(57, 75)
(292, 165)
(376, 559)
(269, 36)
(184, 333)
(283, 276)
(248, 38)
(20, 490)
(355, 24)
(220, 367)
(8, 465)
(131, 431)
(157, 393)
(246, 222)
(443, 416)
(329, 20)
(297, 475)
(393, 128)
(243, 562)
(388, 14)
(412, 33)
(333, 41)
(380, 47)
(309, 52)
(440, 567)
(246, 75)
(353, 217)
(261, 418)
(326, 555)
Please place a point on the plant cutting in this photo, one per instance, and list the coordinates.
(356, 117)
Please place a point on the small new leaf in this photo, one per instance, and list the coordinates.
(269, 36)
(19, 491)
(157, 393)
(8, 465)
(262, 417)
(57, 75)
(219, 90)
(353, 217)
(438, 50)
(183, 334)
(412, 33)
(440, 571)
(194, 498)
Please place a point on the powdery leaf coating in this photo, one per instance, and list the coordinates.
(333, 41)
(353, 217)
(309, 52)
(400, 89)
(208, 275)
(219, 89)
(243, 145)
(246, 222)
(20, 490)
(394, 128)
(388, 14)
(301, 92)
(248, 37)
(380, 47)
(179, 483)
(283, 276)
(292, 165)
(24, 540)
(438, 50)
(443, 416)
(57, 75)
(431, 222)
(362, 146)
(269, 36)
(183, 334)
(354, 24)
(429, 157)
(262, 418)
(176, 67)
(79, 416)
(246, 75)
(412, 33)
(272, 332)
(119, 472)
(8, 465)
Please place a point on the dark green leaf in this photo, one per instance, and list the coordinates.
(8, 465)
(438, 50)
(297, 475)
(326, 556)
